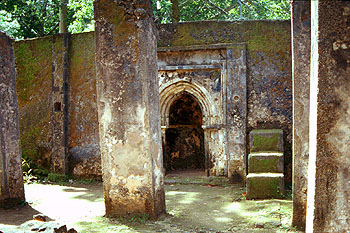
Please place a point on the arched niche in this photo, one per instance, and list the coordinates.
(184, 138)
(171, 91)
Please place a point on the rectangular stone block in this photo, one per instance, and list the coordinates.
(266, 140)
(265, 162)
(265, 185)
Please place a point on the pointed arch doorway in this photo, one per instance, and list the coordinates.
(179, 98)
(184, 138)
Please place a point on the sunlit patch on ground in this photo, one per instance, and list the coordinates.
(190, 208)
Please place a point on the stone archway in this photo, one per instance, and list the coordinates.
(170, 93)
(184, 138)
(216, 76)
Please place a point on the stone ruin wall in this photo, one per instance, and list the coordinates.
(34, 88)
(11, 179)
(269, 85)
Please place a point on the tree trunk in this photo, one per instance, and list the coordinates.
(63, 16)
(175, 11)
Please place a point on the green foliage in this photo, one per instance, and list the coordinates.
(35, 18)
(23, 19)
(162, 11)
(57, 178)
(193, 10)
(7, 24)
(31, 171)
(134, 219)
(80, 16)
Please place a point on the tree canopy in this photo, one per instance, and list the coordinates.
(192, 10)
(35, 18)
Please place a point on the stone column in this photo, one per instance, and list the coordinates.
(328, 198)
(11, 177)
(59, 117)
(301, 28)
(236, 112)
(128, 107)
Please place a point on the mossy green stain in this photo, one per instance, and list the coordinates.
(260, 36)
(264, 188)
(32, 57)
(27, 71)
(263, 165)
(265, 143)
(82, 54)
(34, 72)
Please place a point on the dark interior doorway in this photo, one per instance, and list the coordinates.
(184, 145)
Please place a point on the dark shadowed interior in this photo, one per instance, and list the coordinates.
(184, 147)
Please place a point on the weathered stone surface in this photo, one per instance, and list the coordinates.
(84, 141)
(328, 198)
(128, 107)
(301, 23)
(265, 46)
(11, 178)
(268, 61)
(59, 116)
(265, 162)
(265, 185)
(266, 140)
(85, 162)
(221, 96)
(34, 89)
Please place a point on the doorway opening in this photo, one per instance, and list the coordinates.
(184, 144)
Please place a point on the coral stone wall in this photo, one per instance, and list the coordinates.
(83, 140)
(269, 84)
(34, 74)
(269, 65)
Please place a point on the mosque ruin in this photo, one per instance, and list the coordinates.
(134, 100)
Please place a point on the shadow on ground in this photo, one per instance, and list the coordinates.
(17, 216)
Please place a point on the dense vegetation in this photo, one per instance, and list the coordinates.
(36, 18)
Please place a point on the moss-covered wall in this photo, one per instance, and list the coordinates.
(269, 84)
(83, 140)
(34, 74)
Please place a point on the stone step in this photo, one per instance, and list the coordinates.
(265, 185)
(265, 162)
(266, 140)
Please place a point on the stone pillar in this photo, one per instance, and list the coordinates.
(128, 107)
(301, 28)
(11, 177)
(59, 117)
(328, 201)
(236, 112)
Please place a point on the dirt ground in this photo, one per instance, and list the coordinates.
(192, 206)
